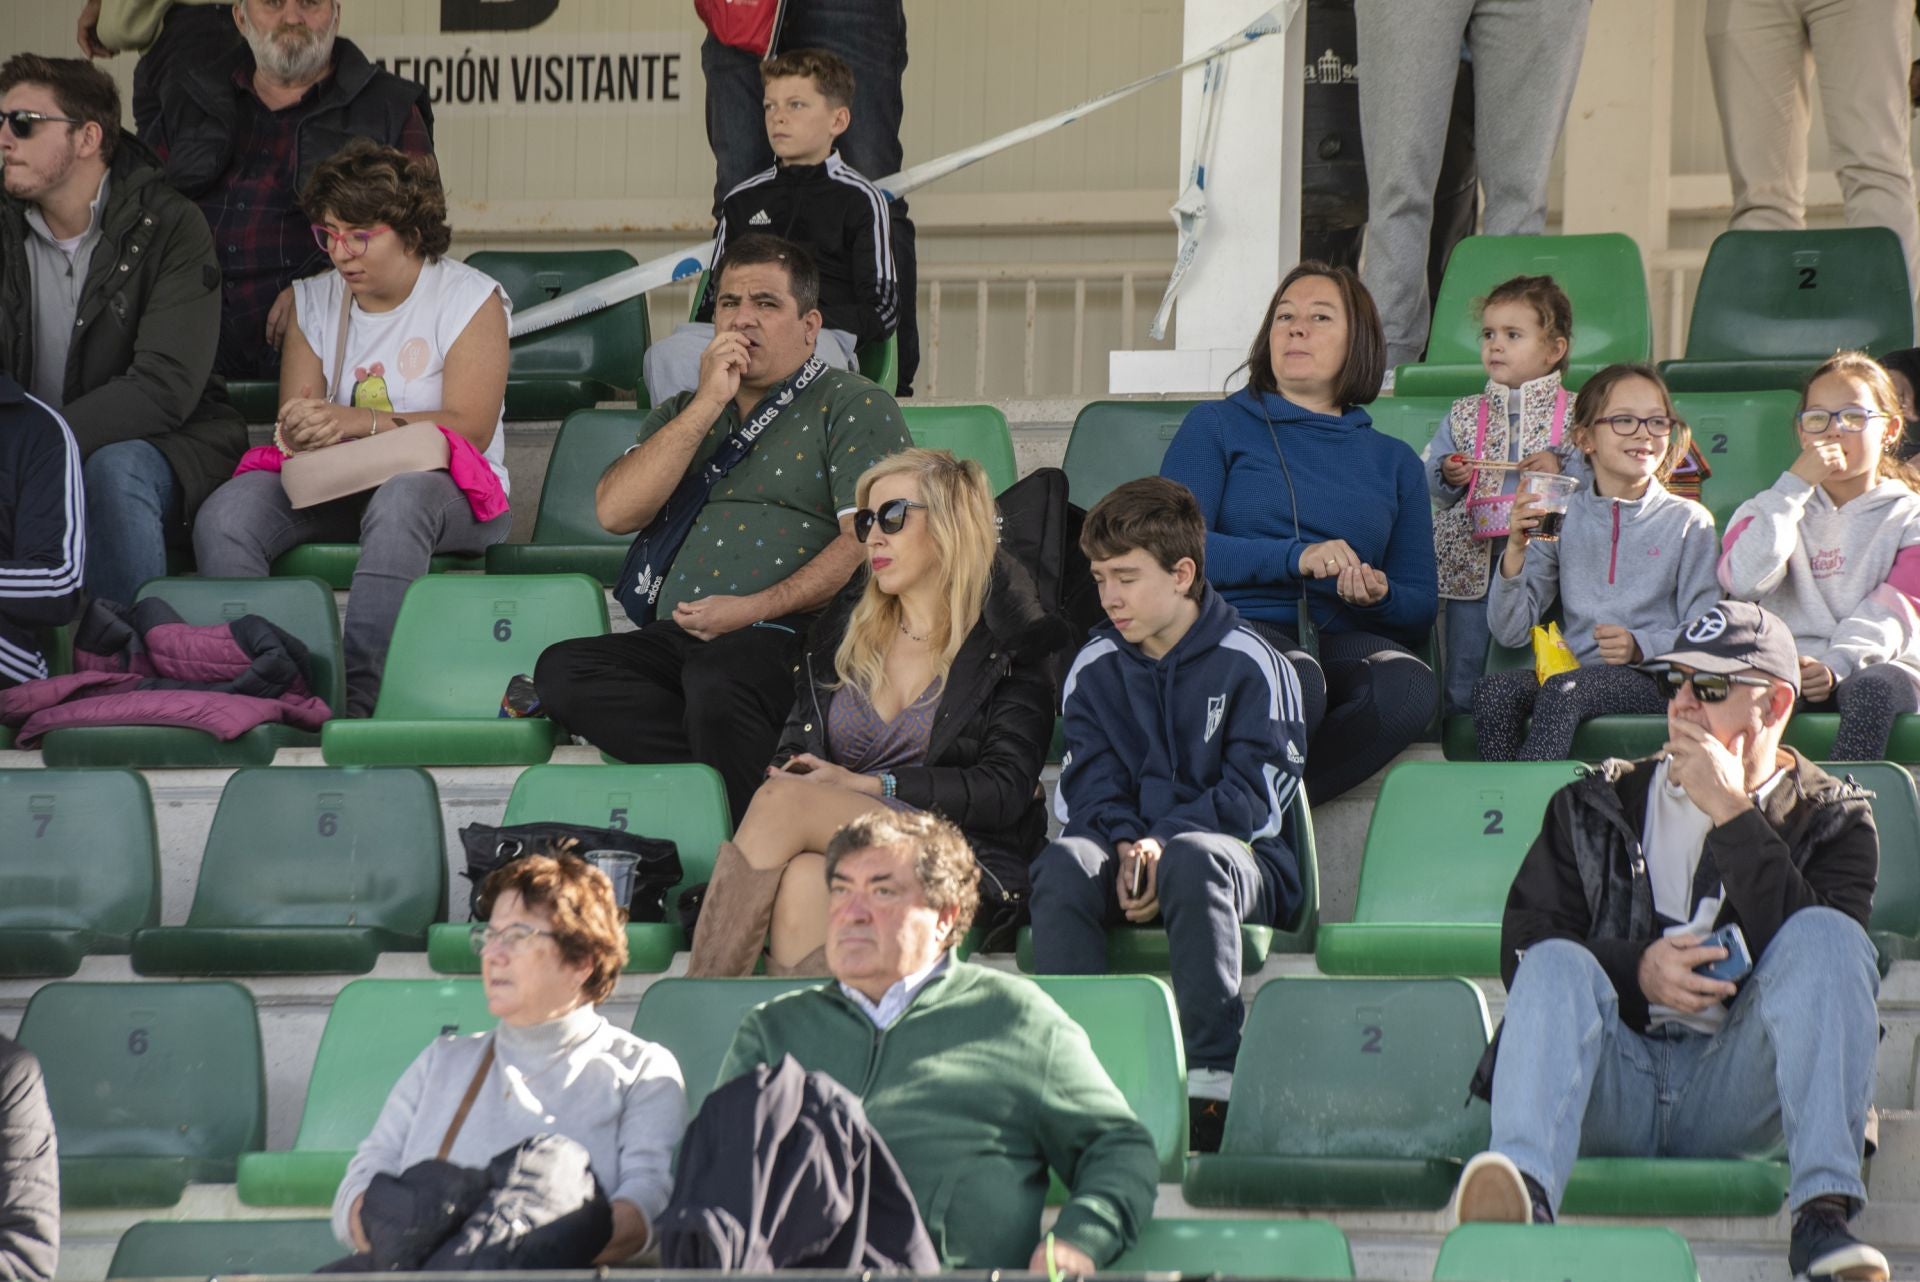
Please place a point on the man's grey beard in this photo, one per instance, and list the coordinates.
(288, 62)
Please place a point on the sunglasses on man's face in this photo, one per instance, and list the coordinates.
(22, 122)
(890, 516)
(1708, 687)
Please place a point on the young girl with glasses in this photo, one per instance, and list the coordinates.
(1632, 564)
(1831, 549)
(925, 686)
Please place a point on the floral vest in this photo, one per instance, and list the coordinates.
(1461, 559)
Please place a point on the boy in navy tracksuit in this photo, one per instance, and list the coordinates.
(43, 530)
(1185, 745)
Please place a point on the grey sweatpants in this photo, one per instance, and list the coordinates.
(672, 364)
(1526, 56)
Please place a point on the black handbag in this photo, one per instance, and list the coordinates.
(489, 849)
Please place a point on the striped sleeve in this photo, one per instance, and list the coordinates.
(875, 278)
(40, 573)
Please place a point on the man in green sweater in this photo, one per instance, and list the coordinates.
(975, 1079)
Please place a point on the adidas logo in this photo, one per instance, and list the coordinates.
(760, 220)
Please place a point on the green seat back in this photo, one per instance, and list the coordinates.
(1117, 441)
(569, 366)
(1747, 439)
(216, 1248)
(1896, 814)
(880, 363)
(258, 400)
(696, 1020)
(1563, 1253)
(1135, 1031)
(301, 607)
(685, 804)
(588, 442)
(977, 432)
(461, 638)
(151, 1085)
(1238, 1248)
(1442, 847)
(80, 865)
(1412, 419)
(1801, 295)
(1602, 274)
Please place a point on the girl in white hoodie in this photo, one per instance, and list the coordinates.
(1833, 548)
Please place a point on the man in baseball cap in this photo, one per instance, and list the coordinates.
(1628, 1032)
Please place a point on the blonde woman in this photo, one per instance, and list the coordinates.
(925, 687)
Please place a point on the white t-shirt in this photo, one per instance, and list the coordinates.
(396, 360)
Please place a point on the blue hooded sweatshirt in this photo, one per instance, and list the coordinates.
(1350, 482)
(1207, 738)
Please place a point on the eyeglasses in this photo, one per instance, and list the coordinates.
(352, 243)
(1708, 687)
(511, 938)
(22, 122)
(891, 517)
(1628, 424)
(1850, 418)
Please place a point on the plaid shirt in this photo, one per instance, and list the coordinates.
(262, 238)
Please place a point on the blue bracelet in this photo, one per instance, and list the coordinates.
(888, 784)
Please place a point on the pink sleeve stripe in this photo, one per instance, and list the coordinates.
(1734, 531)
(1904, 577)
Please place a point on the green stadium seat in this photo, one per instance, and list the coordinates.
(1117, 441)
(459, 640)
(1143, 950)
(375, 1030)
(1895, 924)
(218, 1248)
(578, 363)
(152, 1086)
(880, 363)
(334, 563)
(301, 607)
(1563, 1253)
(977, 432)
(1668, 1187)
(1412, 419)
(80, 864)
(1441, 851)
(1244, 1248)
(696, 1020)
(1350, 1095)
(309, 870)
(685, 804)
(1747, 440)
(1773, 304)
(1602, 274)
(258, 400)
(567, 536)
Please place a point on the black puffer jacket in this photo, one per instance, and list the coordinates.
(29, 1169)
(990, 733)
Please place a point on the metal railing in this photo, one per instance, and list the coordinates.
(1672, 277)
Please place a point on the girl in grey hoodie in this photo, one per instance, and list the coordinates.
(1633, 563)
(1833, 548)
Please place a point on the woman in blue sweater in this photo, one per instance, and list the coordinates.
(1307, 504)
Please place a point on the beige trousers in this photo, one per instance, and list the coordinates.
(1761, 53)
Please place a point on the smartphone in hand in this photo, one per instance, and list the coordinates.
(1137, 882)
(1736, 965)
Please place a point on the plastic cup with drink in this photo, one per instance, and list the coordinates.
(1548, 493)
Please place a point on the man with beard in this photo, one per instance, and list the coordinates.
(109, 303)
(241, 136)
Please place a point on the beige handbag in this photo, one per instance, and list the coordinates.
(349, 467)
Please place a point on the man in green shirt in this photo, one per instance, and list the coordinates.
(711, 678)
(975, 1079)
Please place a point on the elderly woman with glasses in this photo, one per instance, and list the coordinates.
(551, 945)
(1834, 550)
(397, 333)
(925, 686)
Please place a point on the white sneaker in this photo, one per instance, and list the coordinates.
(1492, 1191)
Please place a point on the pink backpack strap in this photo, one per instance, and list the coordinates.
(1559, 414)
(1480, 432)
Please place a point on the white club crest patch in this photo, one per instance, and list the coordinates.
(1216, 709)
(1707, 627)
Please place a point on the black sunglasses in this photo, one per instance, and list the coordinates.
(891, 516)
(22, 122)
(1708, 687)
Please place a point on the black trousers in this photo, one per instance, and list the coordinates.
(662, 695)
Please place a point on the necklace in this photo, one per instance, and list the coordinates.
(908, 634)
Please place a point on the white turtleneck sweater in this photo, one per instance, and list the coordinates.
(577, 1076)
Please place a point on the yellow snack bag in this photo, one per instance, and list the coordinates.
(1551, 656)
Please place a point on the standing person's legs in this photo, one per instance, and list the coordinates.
(1409, 55)
(1208, 884)
(1466, 640)
(1569, 698)
(407, 519)
(1862, 50)
(1379, 699)
(1758, 58)
(1075, 899)
(736, 122)
(1526, 58)
(671, 365)
(191, 36)
(1502, 702)
(1868, 701)
(133, 499)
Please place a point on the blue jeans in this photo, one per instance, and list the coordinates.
(1466, 643)
(1208, 885)
(1792, 1068)
(133, 500)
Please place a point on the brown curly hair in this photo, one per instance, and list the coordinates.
(365, 184)
(943, 862)
(578, 901)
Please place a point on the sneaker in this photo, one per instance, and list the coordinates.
(1823, 1247)
(1206, 1123)
(1493, 1190)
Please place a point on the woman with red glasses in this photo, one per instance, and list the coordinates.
(396, 333)
(925, 686)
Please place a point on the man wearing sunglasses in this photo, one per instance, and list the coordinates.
(109, 307)
(1626, 1032)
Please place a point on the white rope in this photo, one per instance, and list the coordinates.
(1190, 211)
